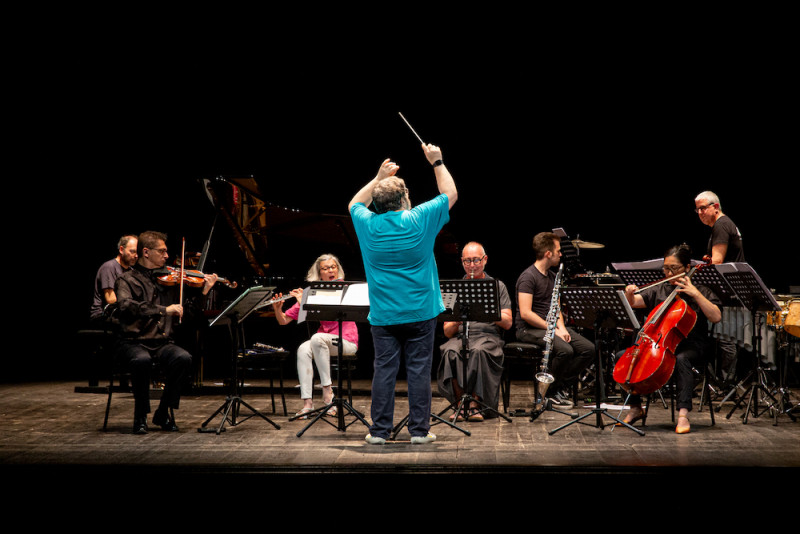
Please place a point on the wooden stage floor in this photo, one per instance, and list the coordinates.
(54, 430)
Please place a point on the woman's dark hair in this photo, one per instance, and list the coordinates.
(683, 252)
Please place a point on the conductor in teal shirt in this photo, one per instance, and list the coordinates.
(396, 243)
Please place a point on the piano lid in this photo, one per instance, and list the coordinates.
(264, 230)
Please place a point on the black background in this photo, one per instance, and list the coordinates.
(609, 138)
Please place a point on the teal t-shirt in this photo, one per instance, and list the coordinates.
(397, 249)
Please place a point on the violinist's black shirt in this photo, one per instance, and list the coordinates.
(142, 303)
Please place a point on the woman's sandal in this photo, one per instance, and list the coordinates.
(683, 429)
(642, 415)
(301, 413)
(474, 415)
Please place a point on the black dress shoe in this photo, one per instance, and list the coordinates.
(162, 418)
(140, 425)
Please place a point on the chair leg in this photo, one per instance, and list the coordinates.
(108, 403)
(505, 384)
(349, 384)
(272, 391)
(707, 394)
(283, 396)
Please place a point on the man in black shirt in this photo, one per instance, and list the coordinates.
(724, 245)
(571, 353)
(147, 311)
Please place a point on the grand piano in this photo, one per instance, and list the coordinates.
(279, 244)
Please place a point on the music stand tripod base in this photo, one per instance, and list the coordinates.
(610, 308)
(234, 316)
(329, 301)
(230, 413)
(469, 300)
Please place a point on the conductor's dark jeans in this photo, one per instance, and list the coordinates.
(414, 341)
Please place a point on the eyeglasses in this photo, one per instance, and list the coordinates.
(702, 208)
(674, 269)
(162, 251)
(467, 261)
(331, 268)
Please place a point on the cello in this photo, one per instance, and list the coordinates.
(647, 365)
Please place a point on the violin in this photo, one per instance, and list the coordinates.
(191, 278)
(647, 365)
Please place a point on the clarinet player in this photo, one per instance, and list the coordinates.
(571, 353)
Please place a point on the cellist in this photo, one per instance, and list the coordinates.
(692, 350)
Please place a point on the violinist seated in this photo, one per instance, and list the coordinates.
(149, 309)
(696, 345)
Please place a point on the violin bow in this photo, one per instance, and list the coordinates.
(180, 281)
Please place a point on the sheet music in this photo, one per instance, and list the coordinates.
(324, 298)
(245, 304)
(356, 295)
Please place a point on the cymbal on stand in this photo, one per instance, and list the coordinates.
(578, 243)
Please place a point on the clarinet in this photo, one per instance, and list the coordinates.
(544, 377)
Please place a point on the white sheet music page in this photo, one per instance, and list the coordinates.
(356, 295)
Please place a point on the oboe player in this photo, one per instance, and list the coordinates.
(571, 353)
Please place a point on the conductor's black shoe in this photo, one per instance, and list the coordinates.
(140, 425)
(162, 418)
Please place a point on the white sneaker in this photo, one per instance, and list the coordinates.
(423, 439)
(373, 440)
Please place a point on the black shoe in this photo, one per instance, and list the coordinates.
(140, 425)
(561, 401)
(161, 418)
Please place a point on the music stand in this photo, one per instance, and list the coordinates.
(475, 300)
(598, 308)
(738, 283)
(449, 300)
(335, 301)
(234, 315)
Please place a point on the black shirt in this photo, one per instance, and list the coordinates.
(725, 231)
(142, 306)
(541, 287)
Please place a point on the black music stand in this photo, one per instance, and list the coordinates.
(475, 300)
(335, 301)
(598, 308)
(738, 283)
(449, 300)
(233, 316)
(465, 300)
